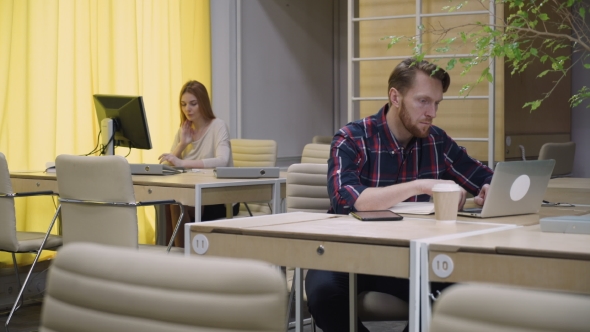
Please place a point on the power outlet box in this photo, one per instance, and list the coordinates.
(9, 288)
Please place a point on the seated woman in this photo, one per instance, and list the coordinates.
(202, 141)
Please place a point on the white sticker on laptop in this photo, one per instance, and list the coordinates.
(520, 187)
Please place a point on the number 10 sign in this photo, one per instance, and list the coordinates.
(442, 266)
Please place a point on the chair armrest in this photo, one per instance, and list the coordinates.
(35, 193)
(165, 201)
(31, 193)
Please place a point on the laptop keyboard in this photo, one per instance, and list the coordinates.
(472, 210)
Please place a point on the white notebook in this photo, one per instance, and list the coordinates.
(413, 207)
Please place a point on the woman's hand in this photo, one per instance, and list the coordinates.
(186, 133)
(171, 159)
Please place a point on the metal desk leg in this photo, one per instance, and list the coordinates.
(298, 280)
(198, 200)
(352, 302)
(160, 224)
(424, 288)
(276, 198)
(414, 321)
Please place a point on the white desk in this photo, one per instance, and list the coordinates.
(192, 189)
(521, 256)
(568, 190)
(328, 242)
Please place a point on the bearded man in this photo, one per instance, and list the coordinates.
(393, 156)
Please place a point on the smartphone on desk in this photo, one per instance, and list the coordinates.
(379, 215)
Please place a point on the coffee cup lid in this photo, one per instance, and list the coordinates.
(446, 187)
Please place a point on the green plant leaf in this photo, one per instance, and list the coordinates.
(533, 104)
(464, 89)
(513, 39)
(451, 64)
(463, 37)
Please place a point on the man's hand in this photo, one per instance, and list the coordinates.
(427, 186)
(481, 197)
(462, 199)
(385, 197)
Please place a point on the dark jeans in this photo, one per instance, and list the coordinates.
(327, 295)
(217, 211)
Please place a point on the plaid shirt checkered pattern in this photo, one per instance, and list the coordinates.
(365, 154)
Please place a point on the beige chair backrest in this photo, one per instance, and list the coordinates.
(8, 240)
(98, 288)
(322, 140)
(562, 153)
(307, 188)
(315, 154)
(487, 308)
(254, 152)
(98, 179)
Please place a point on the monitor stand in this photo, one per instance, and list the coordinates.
(107, 127)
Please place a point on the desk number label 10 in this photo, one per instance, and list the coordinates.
(200, 244)
(442, 266)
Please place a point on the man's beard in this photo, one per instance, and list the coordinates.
(404, 116)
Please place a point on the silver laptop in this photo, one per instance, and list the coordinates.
(246, 172)
(153, 169)
(517, 187)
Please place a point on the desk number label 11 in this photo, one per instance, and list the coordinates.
(200, 244)
(442, 266)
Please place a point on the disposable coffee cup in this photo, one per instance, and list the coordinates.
(446, 201)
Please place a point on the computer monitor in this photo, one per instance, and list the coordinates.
(123, 122)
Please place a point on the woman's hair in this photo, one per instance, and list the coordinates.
(198, 90)
(402, 76)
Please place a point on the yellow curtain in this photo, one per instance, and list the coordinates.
(55, 54)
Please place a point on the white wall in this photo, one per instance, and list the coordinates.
(224, 62)
(581, 125)
(274, 67)
(581, 118)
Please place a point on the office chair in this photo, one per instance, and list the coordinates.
(487, 308)
(315, 154)
(98, 202)
(322, 139)
(254, 153)
(16, 242)
(562, 153)
(307, 191)
(97, 288)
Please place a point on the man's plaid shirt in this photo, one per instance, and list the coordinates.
(365, 154)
